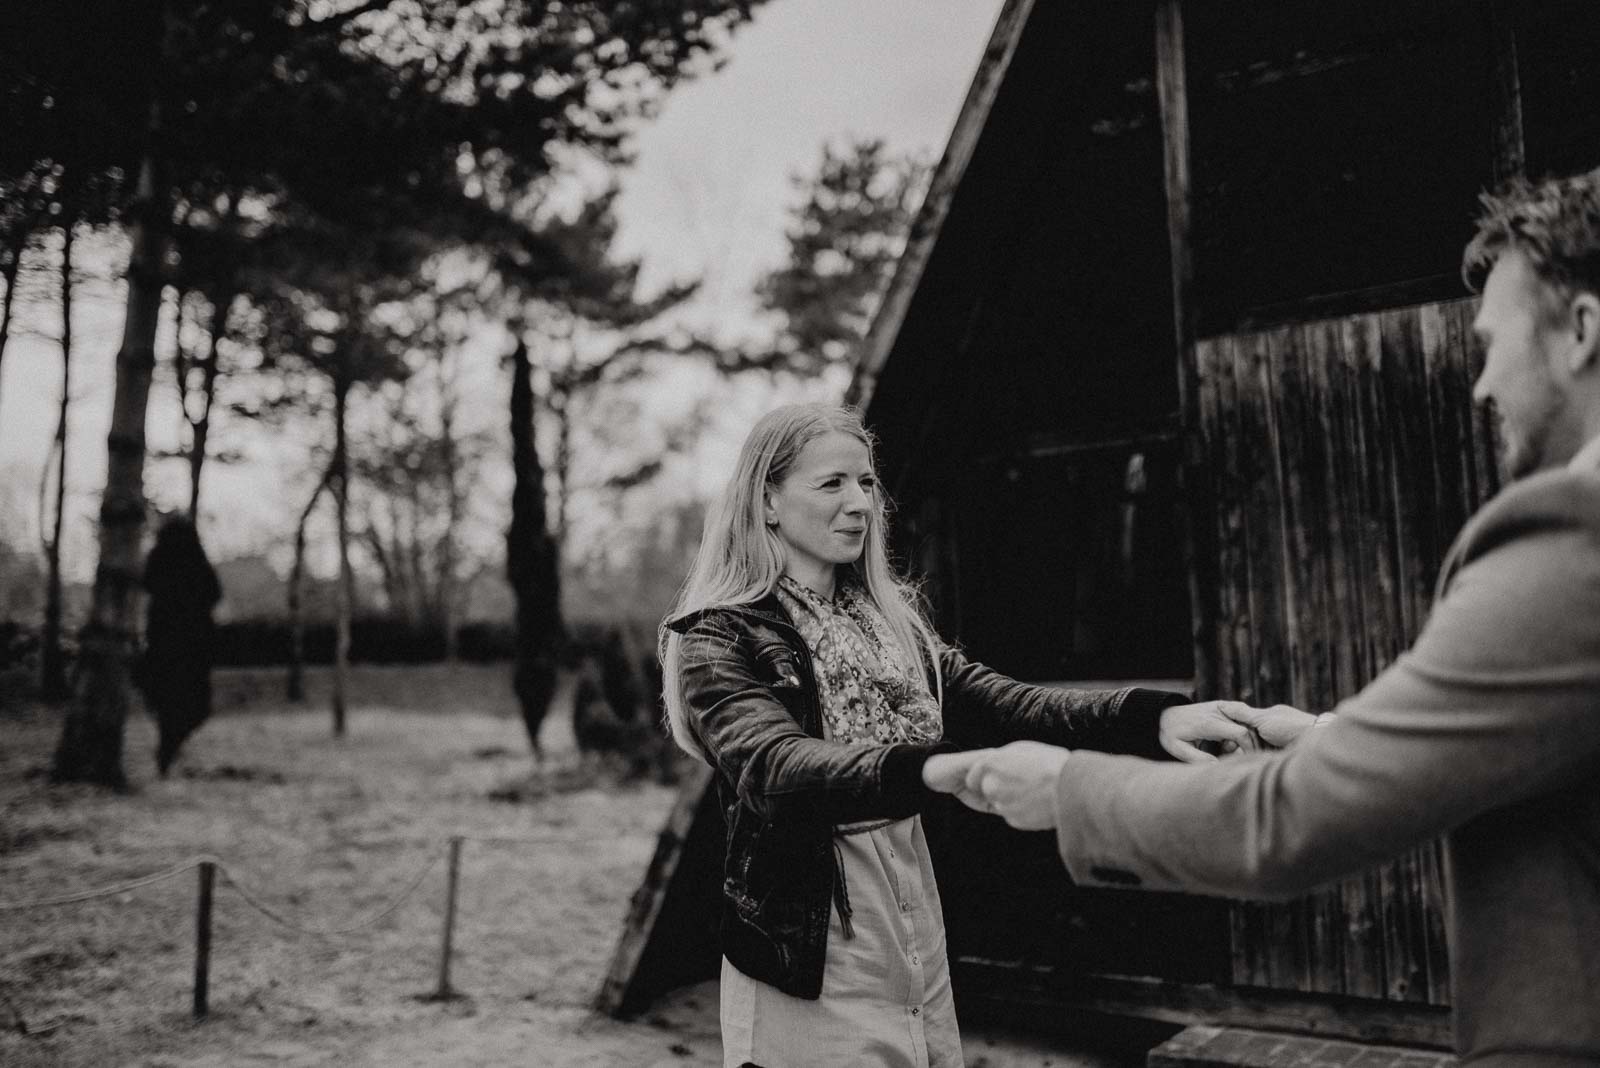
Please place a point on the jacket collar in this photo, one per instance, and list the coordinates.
(767, 609)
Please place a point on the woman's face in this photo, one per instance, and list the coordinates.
(823, 507)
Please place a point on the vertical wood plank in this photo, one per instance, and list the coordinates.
(1438, 951)
(1329, 382)
(1245, 522)
(1261, 515)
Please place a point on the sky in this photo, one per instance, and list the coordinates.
(705, 198)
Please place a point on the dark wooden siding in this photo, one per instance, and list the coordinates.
(1345, 456)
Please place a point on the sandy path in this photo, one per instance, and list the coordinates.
(326, 833)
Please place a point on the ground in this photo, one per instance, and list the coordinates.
(326, 834)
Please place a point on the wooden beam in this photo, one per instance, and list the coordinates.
(1035, 999)
(880, 339)
(1319, 306)
(1510, 148)
(1172, 91)
(1043, 449)
(627, 989)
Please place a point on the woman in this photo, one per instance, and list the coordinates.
(799, 667)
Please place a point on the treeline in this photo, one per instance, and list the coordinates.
(331, 199)
(332, 204)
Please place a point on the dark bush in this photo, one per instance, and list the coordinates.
(393, 641)
(19, 644)
(254, 643)
(483, 643)
(373, 640)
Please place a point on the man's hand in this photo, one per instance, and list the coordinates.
(1278, 727)
(1218, 722)
(1016, 782)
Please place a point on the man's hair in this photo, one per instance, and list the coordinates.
(1554, 223)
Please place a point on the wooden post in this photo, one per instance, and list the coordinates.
(202, 939)
(446, 992)
(1172, 91)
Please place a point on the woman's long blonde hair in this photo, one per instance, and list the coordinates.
(741, 558)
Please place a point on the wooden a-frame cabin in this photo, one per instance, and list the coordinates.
(1173, 384)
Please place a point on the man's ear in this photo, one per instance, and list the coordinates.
(1585, 333)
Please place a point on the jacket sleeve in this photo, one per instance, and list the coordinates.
(775, 766)
(1496, 704)
(983, 707)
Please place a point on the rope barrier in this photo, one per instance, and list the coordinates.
(260, 906)
(109, 891)
(210, 865)
(511, 840)
(277, 917)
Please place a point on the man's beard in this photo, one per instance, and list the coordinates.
(1523, 446)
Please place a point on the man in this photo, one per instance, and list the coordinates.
(1487, 731)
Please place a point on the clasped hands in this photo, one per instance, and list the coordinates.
(1018, 781)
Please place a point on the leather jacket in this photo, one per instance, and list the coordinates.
(753, 704)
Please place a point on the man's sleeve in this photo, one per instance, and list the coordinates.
(1498, 701)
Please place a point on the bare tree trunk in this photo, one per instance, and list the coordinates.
(341, 500)
(9, 269)
(447, 546)
(383, 555)
(562, 409)
(90, 749)
(180, 357)
(52, 664)
(296, 688)
(201, 425)
(394, 563)
(531, 560)
(417, 576)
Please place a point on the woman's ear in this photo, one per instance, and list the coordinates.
(769, 514)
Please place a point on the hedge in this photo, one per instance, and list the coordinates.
(252, 643)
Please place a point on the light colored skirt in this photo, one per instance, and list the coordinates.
(885, 993)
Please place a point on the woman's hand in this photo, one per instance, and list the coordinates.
(1218, 723)
(1017, 782)
(947, 773)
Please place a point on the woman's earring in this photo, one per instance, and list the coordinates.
(773, 523)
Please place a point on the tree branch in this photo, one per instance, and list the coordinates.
(339, 20)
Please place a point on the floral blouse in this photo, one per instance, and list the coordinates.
(868, 694)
